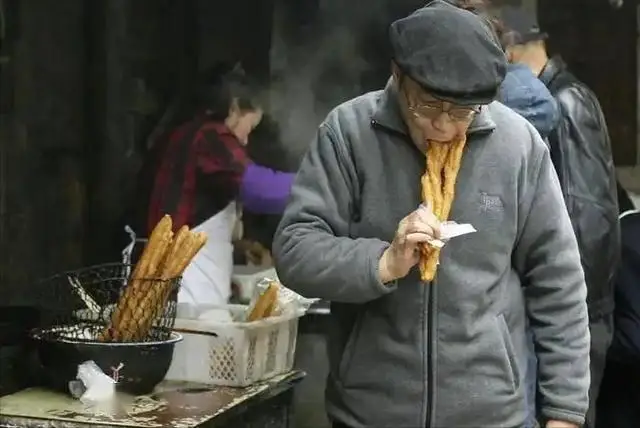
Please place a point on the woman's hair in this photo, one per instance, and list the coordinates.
(212, 93)
(221, 85)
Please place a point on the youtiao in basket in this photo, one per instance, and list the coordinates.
(165, 257)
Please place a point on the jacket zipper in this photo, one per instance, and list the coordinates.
(431, 308)
(430, 371)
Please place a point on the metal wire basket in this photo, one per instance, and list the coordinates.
(86, 302)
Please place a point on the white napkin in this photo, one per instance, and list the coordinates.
(450, 230)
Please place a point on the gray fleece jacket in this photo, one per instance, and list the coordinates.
(447, 353)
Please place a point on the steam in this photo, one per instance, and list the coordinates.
(306, 90)
(312, 78)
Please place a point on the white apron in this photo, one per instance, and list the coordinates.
(207, 280)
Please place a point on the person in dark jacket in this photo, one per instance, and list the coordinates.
(581, 154)
(620, 389)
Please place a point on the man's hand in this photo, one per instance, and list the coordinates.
(418, 227)
(561, 424)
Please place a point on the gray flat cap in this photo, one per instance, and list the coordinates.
(450, 52)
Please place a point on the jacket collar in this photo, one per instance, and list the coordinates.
(388, 115)
(552, 69)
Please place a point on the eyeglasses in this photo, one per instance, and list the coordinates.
(436, 108)
(433, 109)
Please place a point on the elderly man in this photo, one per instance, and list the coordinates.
(441, 346)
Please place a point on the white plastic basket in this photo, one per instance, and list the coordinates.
(233, 353)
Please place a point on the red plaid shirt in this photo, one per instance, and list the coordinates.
(198, 175)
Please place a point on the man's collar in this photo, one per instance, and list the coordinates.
(387, 113)
(389, 116)
(552, 68)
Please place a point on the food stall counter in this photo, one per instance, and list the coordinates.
(173, 405)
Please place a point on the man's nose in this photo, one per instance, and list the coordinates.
(441, 120)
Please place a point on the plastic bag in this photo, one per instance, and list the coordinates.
(283, 301)
(92, 385)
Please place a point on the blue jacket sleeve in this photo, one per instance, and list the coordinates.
(525, 94)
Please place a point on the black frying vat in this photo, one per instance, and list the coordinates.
(144, 365)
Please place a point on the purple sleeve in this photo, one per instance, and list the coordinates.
(264, 190)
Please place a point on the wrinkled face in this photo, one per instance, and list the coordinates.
(428, 118)
(242, 122)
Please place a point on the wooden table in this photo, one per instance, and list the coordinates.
(173, 405)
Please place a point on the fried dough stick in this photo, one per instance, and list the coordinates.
(152, 256)
(164, 258)
(182, 250)
(438, 189)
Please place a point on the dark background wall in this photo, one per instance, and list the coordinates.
(42, 190)
(138, 54)
(82, 85)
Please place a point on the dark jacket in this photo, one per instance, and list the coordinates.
(624, 200)
(625, 347)
(448, 353)
(581, 153)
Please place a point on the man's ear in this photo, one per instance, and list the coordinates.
(395, 71)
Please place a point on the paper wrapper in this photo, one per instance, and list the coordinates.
(286, 302)
(450, 230)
